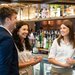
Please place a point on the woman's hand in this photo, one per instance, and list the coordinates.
(66, 65)
(32, 60)
(39, 58)
(36, 59)
(70, 61)
(57, 63)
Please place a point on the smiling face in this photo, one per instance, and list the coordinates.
(23, 31)
(64, 30)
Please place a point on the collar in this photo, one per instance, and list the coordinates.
(64, 42)
(6, 29)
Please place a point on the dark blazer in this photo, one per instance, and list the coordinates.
(8, 54)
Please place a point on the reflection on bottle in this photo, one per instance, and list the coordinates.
(35, 50)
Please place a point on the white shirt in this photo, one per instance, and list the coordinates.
(23, 57)
(62, 52)
(31, 36)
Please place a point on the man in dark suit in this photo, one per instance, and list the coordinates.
(8, 52)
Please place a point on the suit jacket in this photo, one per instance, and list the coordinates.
(8, 54)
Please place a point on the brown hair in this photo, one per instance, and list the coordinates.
(17, 39)
(69, 24)
(6, 12)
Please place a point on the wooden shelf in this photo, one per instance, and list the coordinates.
(52, 18)
(43, 51)
(60, 1)
(27, 11)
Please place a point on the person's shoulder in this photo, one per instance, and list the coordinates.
(4, 35)
(4, 32)
(55, 40)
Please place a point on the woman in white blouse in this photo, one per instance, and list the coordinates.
(63, 50)
(26, 59)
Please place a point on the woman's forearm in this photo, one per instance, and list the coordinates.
(55, 62)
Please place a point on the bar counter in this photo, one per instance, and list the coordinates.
(44, 66)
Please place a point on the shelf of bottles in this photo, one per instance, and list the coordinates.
(45, 35)
(43, 39)
(37, 12)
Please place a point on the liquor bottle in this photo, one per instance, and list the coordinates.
(44, 42)
(35, 49)
(52, 11)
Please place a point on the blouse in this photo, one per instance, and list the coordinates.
(62, 52)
